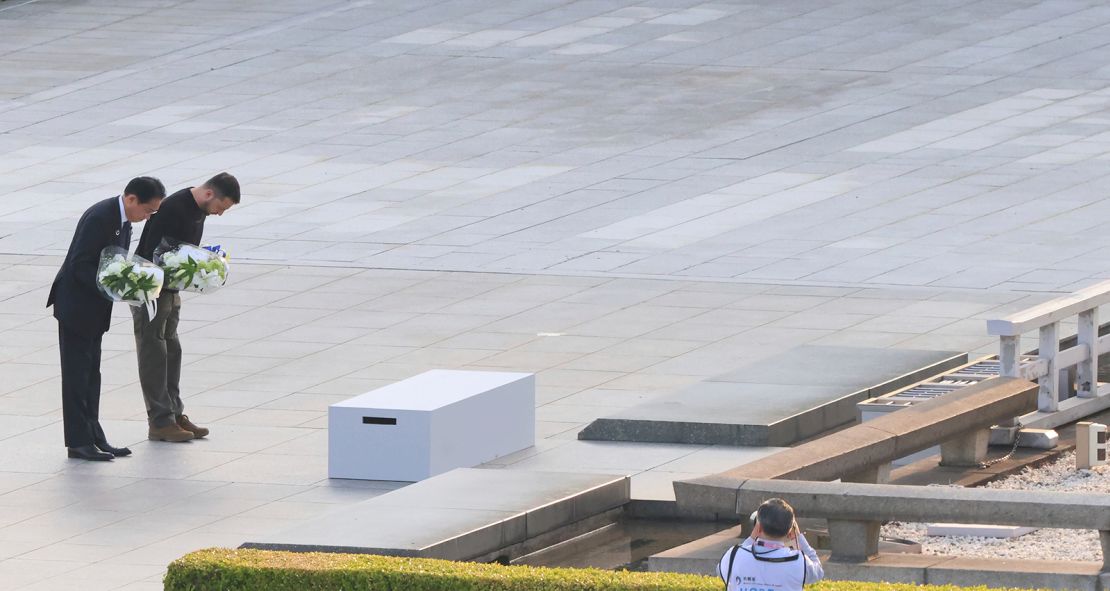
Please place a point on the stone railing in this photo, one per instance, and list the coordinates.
(1051, 360)
(855, 511)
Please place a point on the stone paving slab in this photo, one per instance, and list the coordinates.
(462, 514)
(676, 189)
(270, 459)
(263, 469)
(572, 139)
(776, 401)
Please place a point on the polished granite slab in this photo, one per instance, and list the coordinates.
(459, 515)
(776, 401)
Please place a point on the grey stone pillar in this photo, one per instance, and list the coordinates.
(966, 450)
(853, 541)
(877, 474)
(1104, 536)
(746, 527)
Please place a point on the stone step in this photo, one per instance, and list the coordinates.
(699, 557)
(703, 555)
(776, 401)
(464, 514)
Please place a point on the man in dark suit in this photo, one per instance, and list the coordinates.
(84, 314)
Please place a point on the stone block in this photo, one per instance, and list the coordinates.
(601, 498)
(700, 556)
(1104, 539)
(983, 531)
(1038, 438)
(1026, 574)
(888, 568)
(714, 494)
(1090, 444)
(853, 541)
(877, 474)
(967, 450)
(1003, 435)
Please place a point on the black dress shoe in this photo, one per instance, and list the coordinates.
(118, 452)
(89, 452)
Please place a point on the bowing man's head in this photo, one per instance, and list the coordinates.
(218, 194)
(142, 197)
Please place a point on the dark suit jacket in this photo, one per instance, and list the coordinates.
(78, 303)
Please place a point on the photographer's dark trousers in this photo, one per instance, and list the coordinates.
(80, 386)
(159, 354)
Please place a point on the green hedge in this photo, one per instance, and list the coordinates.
(257, 570)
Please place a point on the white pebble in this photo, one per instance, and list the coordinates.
(1045, 544)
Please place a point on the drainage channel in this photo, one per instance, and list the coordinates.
(623, 545)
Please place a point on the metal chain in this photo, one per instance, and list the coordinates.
(1003, 458)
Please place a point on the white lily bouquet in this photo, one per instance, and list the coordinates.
(192, 268)
(128, 278)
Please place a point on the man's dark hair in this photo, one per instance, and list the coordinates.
(224, 186)
(776, 516)
(146, 188)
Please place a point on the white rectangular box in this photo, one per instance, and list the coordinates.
(431, 423)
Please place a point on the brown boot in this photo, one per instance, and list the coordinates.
(184, 422)
(169, 433)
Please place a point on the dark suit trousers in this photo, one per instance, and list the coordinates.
(80, 387)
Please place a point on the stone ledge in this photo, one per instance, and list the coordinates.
(729, 410)
(889, 502)
(701, 557)
(454, 516)
(868, 445)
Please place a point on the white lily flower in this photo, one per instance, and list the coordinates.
(194, 269)
(128, 278)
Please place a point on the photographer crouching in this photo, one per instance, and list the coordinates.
(777, 556)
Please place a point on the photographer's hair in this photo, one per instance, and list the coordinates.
(224, 186)
(776, 516)
(146, 188)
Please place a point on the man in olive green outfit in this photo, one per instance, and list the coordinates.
(179, 219)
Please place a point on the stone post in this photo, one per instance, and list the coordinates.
(965, 451)
(1049, 397)
(1104, 537)
(853, 541)
(877, 474)
(1087, 378)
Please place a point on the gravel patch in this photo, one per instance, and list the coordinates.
(1044, 544)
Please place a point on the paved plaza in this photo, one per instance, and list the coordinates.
(623, 197)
